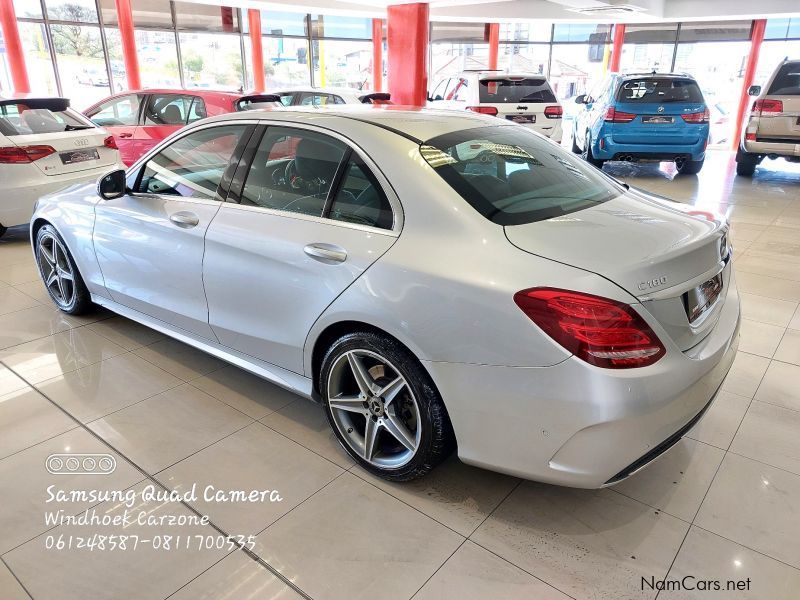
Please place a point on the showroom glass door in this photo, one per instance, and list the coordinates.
(149, 243)
(273, 261)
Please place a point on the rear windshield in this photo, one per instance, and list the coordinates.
(23, 119)
(512, 176)
(787, 81)
(515, 90)
(659, 90)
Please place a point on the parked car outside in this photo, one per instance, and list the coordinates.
(644, 117)
(139, 120)
(518, 97)
(516, 302)
(46, 146)
(772, 129)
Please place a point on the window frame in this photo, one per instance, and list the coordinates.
(143, 99)
(239, 178)
(187, 97)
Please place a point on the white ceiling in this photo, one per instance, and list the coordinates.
(638, 11)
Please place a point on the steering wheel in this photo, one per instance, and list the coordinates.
(291, 176)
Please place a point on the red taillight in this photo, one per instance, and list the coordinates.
(24, 154)
(616, 116)
(484, 110)
(603, 332)
(110, 142)
(750, 137)
(553, 112)
(768, 106)
(698, 117)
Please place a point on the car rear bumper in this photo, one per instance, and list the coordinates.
(581, 426)
(26, 184)
(772, 147)
(607, 149)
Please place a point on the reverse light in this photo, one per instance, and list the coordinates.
(10, 155)
(617, 116)
(698, 117)
(484, 110)
(768, 106)
(553, 112)
(110, 142)
(600, 331)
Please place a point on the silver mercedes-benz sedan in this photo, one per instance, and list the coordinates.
(433, 279)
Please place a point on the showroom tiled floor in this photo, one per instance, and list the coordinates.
(723, 504)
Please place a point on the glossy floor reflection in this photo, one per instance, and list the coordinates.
(724, 504)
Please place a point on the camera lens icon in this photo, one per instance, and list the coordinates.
(80, 464)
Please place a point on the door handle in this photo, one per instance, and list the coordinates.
(327, 253)
(184, 219)
(125, 135)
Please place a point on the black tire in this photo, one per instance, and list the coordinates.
(587, 153)
(78, 301)
(3, 230)
(436, 434)
(575, 148)
(690, 167)
(746, 163)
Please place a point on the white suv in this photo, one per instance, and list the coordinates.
(773, 127)
(522, 98)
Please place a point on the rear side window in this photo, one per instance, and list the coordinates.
(35, 117)
(659, 90)
(512, 176)
(515, 90)
(360, 199)
(198, 110)
(787, 81)
(117, 112)
(167, 109)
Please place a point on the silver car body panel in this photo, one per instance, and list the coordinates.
(442, 282)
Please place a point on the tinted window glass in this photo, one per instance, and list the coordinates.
(659, 90)
(320, 100)
(515, 90)
(787, 81)
(438, 91)
(198, 110)
(293, 170)
(360, 199)
(192, 166)
(22, 119)
(167, 109)
(512, 176)
(120, 111)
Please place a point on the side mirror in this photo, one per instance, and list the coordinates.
(581, 99)
(754, 90)
(112, 185)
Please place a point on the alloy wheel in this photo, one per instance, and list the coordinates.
(374, 409)
(56, 270)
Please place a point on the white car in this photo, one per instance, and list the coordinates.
(310, 96)
(46, 146)
(522, 98)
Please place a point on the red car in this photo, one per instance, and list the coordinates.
(139, 120)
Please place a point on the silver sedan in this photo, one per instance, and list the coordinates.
(435, 280)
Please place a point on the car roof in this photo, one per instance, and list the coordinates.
(638, 74)
(330, 90)
(414, 123)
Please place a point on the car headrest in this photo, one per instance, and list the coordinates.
(172, 115)
(521, 181)
(315, 159)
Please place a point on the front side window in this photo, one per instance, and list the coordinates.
(512, 176)
(438, 91)
(198, 110)
(192, 166)
(360, 198)
(117, 112)
(293, 170)
(523, 89)
(167, 109)
(659, 90)
(787, 81)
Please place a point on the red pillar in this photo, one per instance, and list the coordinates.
(408, 53)
(377, 55)
(16, 57)
(494, 44)
(254, 17)
(756, 37)
(129, 56)
(616, 49)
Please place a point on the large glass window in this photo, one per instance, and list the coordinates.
(525, 58)
(37, 58)
(146, 13)
(526, 32)
(81, 63)
(193, 165)
(574, 68)
(340, 27)
(281, 23)
(206, 17)
(286, 62)
(211, 61)
(81, 11)
(581, 32)
(715, 32)
(158, 58)
(647, 57)
(772, 54)
(779, 29)
(451, 58)
(341, 63)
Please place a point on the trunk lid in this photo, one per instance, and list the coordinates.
(75, 151)
(649, 247)
(666, 125)
(526, 100)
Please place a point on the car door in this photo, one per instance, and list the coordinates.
(595, 108)
(149, 243)
(120, 116)
(163, 115)
(306, 216)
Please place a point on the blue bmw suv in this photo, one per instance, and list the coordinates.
(643, 117)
